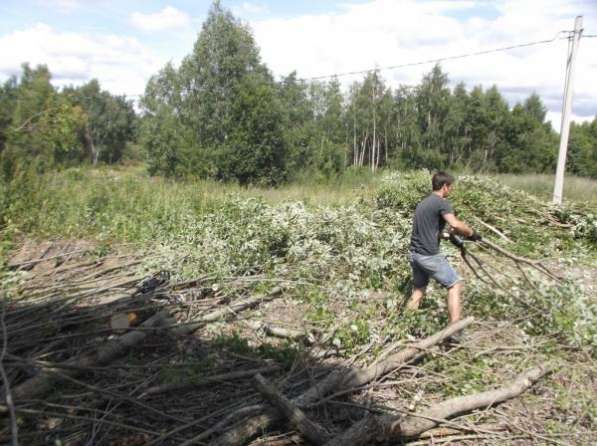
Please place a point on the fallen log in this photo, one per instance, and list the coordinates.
(391, 428)
(340, 377)
(312, 431)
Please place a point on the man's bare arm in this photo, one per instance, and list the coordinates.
(458, 225)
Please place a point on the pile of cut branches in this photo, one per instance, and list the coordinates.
(95, 351)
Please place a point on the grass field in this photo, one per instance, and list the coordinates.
(576, 189)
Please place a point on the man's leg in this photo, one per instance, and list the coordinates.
(454, 307)
(416, 298)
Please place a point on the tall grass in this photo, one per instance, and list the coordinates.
(127, 204)
(576, 189)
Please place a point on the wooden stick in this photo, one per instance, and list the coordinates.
(532, 263)
(399, 428)
(494, 230)
(208, 380)
(358, 377)
(312, 431)
(44, 259)
(234, 307)
(280, 332)
(44, 381)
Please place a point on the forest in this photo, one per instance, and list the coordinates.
(222, 114)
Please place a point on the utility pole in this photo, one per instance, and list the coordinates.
(566, 109)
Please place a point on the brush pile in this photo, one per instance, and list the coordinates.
(285, 325)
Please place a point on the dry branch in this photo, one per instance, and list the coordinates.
(32, 263)
(281, 332)
(338, 378)
(494, 230)
(221, 312)
(312, 431)
(359, 377)
(535, 264)
(225, 377)
(395, 428)
(46, 378)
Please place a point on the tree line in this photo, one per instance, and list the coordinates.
(43, 127)
(222, 114)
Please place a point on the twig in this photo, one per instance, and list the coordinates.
(9, 402)
(495, 230)
(532, 263)
(312, 431)
(208, 380)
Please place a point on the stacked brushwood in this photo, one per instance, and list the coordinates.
(96, 351)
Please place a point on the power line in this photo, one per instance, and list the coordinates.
(441, 59)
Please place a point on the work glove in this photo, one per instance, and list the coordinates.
(475, 237)
(456, 241)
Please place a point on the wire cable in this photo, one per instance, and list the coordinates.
(441, 59)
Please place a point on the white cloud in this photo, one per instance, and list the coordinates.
(167, 18)
(122, 64)
(556, 119)
(249, 8)
(66, 6)
(390, 32)
(355, 37)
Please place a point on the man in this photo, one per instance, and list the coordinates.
(431, 216)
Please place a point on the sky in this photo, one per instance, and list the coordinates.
(122, 43)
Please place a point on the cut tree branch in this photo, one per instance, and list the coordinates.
(341, 377)
(312, 431)
(400, 428)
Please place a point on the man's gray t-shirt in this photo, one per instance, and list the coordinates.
(428, 224)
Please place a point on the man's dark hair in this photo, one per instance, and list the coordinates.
(440, 178)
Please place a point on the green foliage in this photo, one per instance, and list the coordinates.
(582, 149)
(219, 115)
(254, 149)
(531, 144)
(563, 312)
(45, 128)
(110, 122)
(401, 192)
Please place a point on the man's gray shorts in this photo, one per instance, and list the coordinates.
(435, 266)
